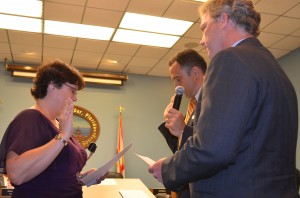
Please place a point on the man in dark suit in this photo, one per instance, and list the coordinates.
(246, 123)
(187, 69)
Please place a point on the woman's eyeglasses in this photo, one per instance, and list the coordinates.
(73, 89)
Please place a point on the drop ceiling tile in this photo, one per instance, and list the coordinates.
(18, 37)
(62, 42)
(283, 25)
(277, 7)
(122, 48)
(151, 52)
(160, 69)
(26, 53)
(296, 33)
(63, 12)
(159, 72)
(138, 70)
(3, 36)
(4, 48)
(64, 55)
(294, 12)
(267, 19)
(288, 43)
(142, 62)
(84, 65)
(183, 10)
(108, 61)
(181, 44)
(91, 45)
(278, 52)
(268, 39)
(153, 7)
(194, 32)
(26, 50)
(36, 60)
(163, 64)
(70, 2)
(87, 56)
(108, 5)
(99, 17)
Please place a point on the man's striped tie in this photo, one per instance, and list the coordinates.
(190, 109)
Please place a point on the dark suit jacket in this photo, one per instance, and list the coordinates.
(245, 133)
(172, 141)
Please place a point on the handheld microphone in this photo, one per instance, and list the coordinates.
(92, 148)
(179, 90)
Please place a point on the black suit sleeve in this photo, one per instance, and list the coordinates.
(172, 140)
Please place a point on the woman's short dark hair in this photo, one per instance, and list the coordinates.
(189, 58)
(58, 73)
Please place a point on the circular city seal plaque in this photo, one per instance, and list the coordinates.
(86, 127)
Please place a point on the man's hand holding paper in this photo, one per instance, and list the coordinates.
(155, 169)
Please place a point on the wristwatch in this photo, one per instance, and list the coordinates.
(58, 137)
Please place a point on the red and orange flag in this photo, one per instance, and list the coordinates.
(120, 145)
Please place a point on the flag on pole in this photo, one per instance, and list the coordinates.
(120, 145)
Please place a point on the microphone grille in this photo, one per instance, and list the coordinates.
(179, 90)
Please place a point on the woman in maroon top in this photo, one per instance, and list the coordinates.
(38, 152)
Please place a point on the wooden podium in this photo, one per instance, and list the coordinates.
(107, 190)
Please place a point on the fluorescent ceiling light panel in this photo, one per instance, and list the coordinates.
(31, 8)
(24, 74)
(78, 30)
(103, 81)
(145, 38)
(154, 24)
(20, 23)
(86, 79)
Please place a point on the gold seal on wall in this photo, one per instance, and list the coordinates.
(86, 127)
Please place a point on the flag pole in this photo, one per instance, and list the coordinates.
(120, 145)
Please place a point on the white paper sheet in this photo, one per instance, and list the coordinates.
(133, 194)
(92, 178)
(148, 160)
(108, 182)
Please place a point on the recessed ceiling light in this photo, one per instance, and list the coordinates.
(32, 8)
(28, 52)
(20, 23)
(78, 30)
(154, 24)
(145, 38)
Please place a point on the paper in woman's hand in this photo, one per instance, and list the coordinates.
(100, 172)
